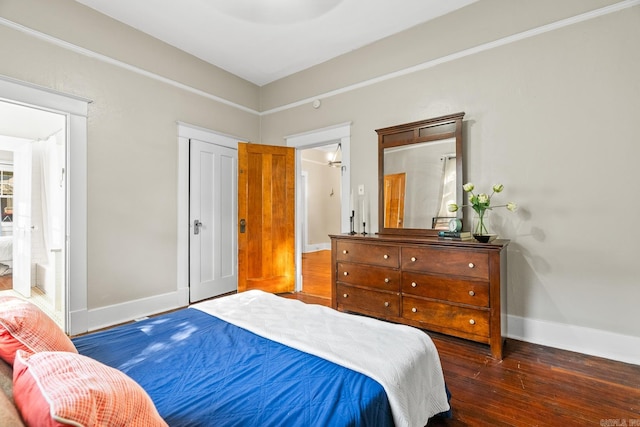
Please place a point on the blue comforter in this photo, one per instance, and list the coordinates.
(202, 371)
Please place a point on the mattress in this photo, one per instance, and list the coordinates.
(258, 359)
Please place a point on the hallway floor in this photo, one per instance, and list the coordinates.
(38, 298)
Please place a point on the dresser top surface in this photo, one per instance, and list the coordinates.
(497, 244)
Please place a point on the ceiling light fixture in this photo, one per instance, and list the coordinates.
(334, 162)
(275, 11)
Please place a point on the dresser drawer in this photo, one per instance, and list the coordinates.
(442, 315)
(372, 277)
(385, 256)
(379, 303)
(444, 261)
(447, 289)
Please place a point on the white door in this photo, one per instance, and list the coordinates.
(22, 219)
(213, 217)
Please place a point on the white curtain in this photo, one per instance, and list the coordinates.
(48, 169)
(447, 186)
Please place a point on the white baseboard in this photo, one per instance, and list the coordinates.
(317, 247)
(120, 313)
(595, 342)
(77, 320)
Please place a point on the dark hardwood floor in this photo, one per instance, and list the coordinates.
(533, 385)
(316, 277)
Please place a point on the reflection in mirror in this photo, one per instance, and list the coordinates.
(419, 181)
(419, 175)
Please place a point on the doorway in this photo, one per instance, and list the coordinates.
(321, 177)
(225, 148)
(75, 110)
(328, 145)
(32, 206)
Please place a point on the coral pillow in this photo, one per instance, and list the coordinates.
(54, 388)
(23, 326)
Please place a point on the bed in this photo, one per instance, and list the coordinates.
(254, 358)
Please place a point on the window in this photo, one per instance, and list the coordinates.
(6, 195)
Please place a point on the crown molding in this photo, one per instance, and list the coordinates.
(409, 70)
(112, 61)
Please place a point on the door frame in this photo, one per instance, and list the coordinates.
(316, 138)
(186, 132)
(75, 109)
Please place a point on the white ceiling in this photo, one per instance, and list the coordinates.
(265, 40)
(28, 123)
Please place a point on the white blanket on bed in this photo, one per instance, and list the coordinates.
(402, 359)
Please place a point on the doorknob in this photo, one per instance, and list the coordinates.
(243, 225)
(196, 226)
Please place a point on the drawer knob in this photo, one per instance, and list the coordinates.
(345, 251)
(471, 265)
(346, 273)
(414, 284)
(414, 310)
(345, 295)
(413, 259)
(386, 303)
(473, 322)
(386, 280)
(385, 256)
(472, 293)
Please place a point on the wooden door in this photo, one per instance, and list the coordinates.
(394, 189)
(266, 218)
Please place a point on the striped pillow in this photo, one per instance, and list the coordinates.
(23, 326)
(54, 388)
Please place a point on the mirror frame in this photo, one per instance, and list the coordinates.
(428, 130)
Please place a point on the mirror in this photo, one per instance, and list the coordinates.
(419, 174)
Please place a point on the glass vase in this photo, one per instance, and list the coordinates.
(481, 226)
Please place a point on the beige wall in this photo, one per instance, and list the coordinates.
(323, 197)
(132, 133)
(553, 117)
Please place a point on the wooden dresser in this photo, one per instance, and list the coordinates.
(451, 287)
